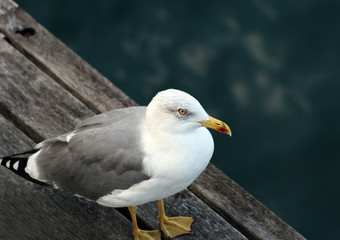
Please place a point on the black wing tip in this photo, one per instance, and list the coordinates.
(17, 164)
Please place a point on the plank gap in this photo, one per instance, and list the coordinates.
(18, 123)
(50, 73)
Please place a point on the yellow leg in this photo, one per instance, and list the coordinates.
(173, 226)
(142, 234)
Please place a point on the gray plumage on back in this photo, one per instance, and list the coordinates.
(104, 154)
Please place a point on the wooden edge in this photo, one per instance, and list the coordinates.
(241, 209)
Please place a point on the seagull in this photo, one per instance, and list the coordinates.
(130, 156)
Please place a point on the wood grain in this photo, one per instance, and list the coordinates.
(26, 93)
(62, 64)
(29, 211)
(12, 140)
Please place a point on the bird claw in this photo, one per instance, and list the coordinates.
(147, 235)
(175, 226)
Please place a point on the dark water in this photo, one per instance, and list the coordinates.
(270, 69)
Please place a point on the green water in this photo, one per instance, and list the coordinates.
(270, 69)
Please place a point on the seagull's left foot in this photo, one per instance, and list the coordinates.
(173, 226)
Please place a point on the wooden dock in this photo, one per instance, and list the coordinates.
(46, 90)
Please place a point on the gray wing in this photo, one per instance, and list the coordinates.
(103, 155)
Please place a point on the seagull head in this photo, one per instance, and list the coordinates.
(179, 112)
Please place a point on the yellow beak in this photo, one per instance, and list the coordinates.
(216, 124)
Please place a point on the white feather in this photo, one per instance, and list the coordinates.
(16, 165)
(68, 137)
(31, 167)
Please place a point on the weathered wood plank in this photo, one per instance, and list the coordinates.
(67, 68)
(29, 211)
(12, 141)
(25, 93)
(241, 209)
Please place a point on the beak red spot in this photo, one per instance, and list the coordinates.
(222, 130)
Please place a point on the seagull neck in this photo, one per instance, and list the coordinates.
(157, 130)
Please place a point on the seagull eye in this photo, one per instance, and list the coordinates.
(182, 111)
